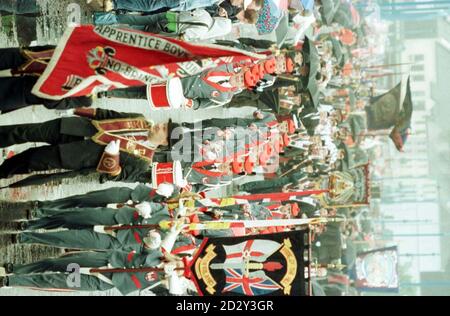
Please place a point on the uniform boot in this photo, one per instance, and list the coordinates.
(13, 226)
(12, 211)
(9, 268)
(8, 240)
(6, 269)
(3, 281)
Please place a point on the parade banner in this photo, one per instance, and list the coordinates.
(350, 188)
(90, 59)
(270, 264)
(377, 270)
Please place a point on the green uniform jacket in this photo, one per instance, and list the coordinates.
(275, 185)
(127, 283)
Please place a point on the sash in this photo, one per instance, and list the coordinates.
(126, 145)
(35, 63)
(122, 125)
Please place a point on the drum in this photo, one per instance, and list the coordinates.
(168, 172)
(168, 95)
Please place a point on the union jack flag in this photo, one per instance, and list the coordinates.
(236, 282)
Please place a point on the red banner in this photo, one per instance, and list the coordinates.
(90, 59)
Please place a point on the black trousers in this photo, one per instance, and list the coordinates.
(11, 58)
(139, 92)
(47, 132)
(91, 199)
(34, 159)
(15, 92)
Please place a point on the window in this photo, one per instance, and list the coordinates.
(418, 94)
(419, 58)
(417, 68)
(419, 105)
(418, 78)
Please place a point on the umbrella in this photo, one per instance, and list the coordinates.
(328, 10)
(307, 4)
(338, 50)
(312, 60)
(282, 29)
(283, 5)
(347, 16)
(314, 93)
(303, 4)
(356, 17)
(343, 18)
(269, 17)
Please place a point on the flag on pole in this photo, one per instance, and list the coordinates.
(90, 59)
(377, 270)
(391, 108)
(271, 264)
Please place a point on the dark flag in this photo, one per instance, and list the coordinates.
(402, 128)
(394, 108)
(377, 270)
(384, 110)
(271, 264)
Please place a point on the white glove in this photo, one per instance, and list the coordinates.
(165, 189)
(65, 113)
(113, 148)
(176, 285)
(182, 210)
(183, 183)
(210, 155)
(153, 240)
(170, 239)
(169, 268)
(144, 210)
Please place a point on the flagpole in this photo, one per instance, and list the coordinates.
(245, 199)
(131, 270)
(386, 75)
(280, 196)
(388, 66)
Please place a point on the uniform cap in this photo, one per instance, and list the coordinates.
(270, 66)
(289, 65)
(286, 140)
(295, 209)
(291, 126)
(248, 165)
(237, 167)
(249, 79)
